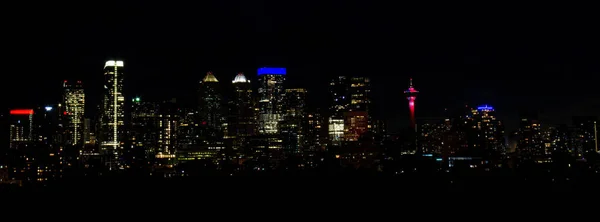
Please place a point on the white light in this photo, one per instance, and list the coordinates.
(109, 63)
(113, 63)
(48, 108)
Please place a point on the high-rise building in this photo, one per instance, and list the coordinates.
(356, 123)
(292, 127)
(145, 131)
(340, 102)
(270, 93)
(74, 102)
(584, 134)
(316, 132)
(490, 130)
(242, 117)
(531, 140)
(210, 107)
(21, 126)
(113, 116)
(360, 94)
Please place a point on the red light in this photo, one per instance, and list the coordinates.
(65, 81)
(204, 123)
(65, 113)
(21, 112)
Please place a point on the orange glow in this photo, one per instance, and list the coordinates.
(21, 112)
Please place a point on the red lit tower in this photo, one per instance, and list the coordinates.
(411, 95)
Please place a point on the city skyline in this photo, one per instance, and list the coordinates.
(513, 63)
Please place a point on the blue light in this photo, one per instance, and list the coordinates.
(271, 71)
(427, 154)
(48, 108)
(485, 107)
(438, 159)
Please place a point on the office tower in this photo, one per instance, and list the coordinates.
(489, 130)
(360, 94)
(339, 91)
(113, 116)
(293, 124)
(145, 132)
(270, 94)
(411, 94)
(21, 126)
(316, 132)
(584, 134)
(47, 127)
(242, 117)
(356, 123)
(74, 102)
(87, 130)
(209, 100)
(165, 155)
(531, 143)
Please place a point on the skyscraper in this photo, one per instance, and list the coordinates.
(271, 98)
(340, 102)
(113, 115)
(74, 100)
(209, 100)
(242, 122)
(21, 126)
(292, 127)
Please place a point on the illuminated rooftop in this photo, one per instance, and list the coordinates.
(210, 78)
(113, 63)
(271, 71)
(485, 108)
(240, 78)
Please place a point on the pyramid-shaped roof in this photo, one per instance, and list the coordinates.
(210, 78)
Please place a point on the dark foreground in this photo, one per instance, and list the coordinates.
(300, 183)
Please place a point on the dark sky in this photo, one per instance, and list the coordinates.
(537, 58)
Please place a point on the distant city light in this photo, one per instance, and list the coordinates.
(271, 71)
(485, 107)
(48, 108)
(137, 99)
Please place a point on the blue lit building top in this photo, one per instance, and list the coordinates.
(485, 108)
(271, 71)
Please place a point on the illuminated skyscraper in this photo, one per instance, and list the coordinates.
(242, 121)
(74, 101)
(292, 127)
(113, 115)
(411, 95)
(489, 130)
(357, 119)
(209, 100)
(339, 89)
(271, 99)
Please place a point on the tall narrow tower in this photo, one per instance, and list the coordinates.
(113, 115)
(270, 93)
(74, 100)
(411, 95)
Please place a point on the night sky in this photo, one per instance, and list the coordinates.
(534, 58)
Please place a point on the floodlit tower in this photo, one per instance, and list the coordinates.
(411, 95)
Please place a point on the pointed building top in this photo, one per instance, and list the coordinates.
(411, 82)
(240, 78)
(210, 78)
